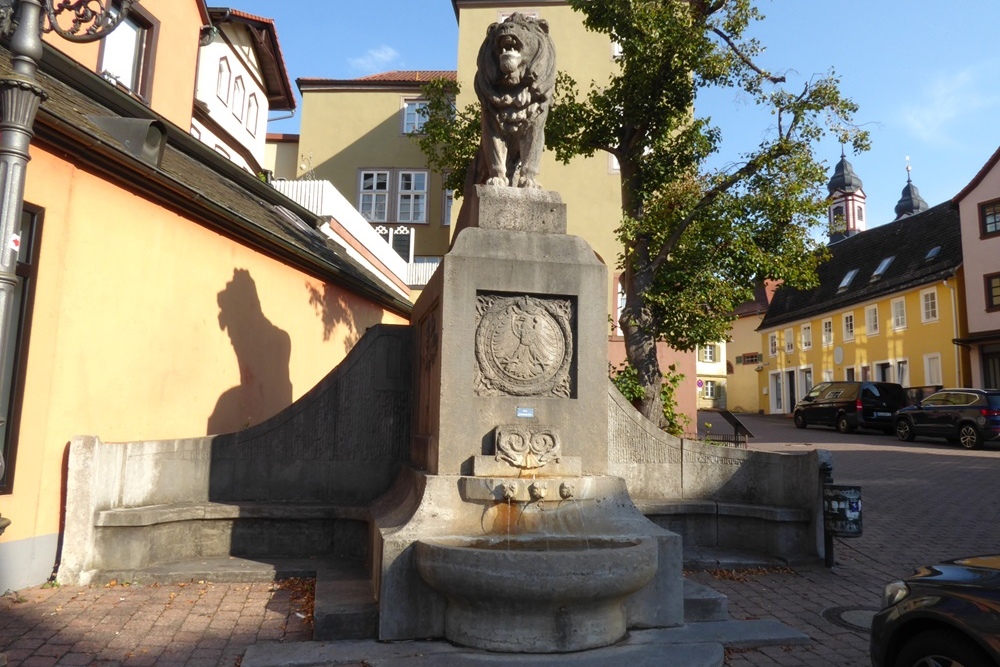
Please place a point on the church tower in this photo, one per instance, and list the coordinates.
(910, 202)
(847, 212)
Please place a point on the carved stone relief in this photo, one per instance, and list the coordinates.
(527, 447)
(524, 346)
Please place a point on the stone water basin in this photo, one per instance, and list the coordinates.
(536, 593)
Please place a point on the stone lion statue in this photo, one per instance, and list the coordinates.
(514, 82)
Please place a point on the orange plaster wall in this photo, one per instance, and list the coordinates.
(127, 340)
(176, 57)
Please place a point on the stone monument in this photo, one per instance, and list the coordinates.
(507, 533)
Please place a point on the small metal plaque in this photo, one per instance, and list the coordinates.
(525, 413)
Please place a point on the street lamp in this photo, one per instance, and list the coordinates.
(20, 95)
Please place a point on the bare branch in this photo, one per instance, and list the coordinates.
(745, 58)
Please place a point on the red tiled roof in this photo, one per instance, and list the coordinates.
(420, 76)
(397, 77)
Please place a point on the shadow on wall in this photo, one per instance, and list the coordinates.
(262, 351)
(334, 311)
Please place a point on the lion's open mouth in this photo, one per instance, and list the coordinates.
(509, 44)
(509, 47)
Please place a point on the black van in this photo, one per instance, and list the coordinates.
(850, 405)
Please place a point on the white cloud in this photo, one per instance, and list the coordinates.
(948, 103)
(376, 60)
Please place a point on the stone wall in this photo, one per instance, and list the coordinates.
(342, 443)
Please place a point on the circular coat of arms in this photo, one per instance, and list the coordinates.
(524, 346)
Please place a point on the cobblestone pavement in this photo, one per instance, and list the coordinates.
(196, 625)
(923, 502)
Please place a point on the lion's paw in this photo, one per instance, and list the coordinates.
(529, 183)
(497, 180)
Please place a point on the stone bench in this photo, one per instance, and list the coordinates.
(781, 532)
(129, 539)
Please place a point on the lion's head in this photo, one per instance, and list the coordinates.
(517, 53)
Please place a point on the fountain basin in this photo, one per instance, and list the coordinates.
(537, 593)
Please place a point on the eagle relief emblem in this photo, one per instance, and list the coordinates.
(524, 346)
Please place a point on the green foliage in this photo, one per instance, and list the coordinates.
(626, 379)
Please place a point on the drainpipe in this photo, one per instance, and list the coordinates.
(954, 328)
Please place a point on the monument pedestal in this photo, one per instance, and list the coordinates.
(509, 451)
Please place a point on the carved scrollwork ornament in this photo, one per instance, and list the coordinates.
(84, 20)
(526, 447)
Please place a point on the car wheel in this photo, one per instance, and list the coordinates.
(800, 420)
(904, 430)
(941, 648)
(968, 437)
(843, 425)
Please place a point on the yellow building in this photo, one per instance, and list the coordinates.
(888, 307)
(744, 353)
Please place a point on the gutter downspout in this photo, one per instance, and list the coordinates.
(954, 328)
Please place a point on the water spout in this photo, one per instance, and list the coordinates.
(538, 490)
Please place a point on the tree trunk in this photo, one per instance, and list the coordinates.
(640, 342)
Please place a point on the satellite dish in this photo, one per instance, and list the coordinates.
(838, 355)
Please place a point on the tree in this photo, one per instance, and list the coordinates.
(695, 239)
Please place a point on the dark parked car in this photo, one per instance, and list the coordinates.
(969, 417)
(850, 405)
(946, 614)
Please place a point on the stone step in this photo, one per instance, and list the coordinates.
(219, 569)
(702, 603)
(345, 605)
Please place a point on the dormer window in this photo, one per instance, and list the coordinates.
(883, 265)
(846, 282)
(932, 253)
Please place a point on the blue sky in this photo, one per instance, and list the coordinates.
(924, 73)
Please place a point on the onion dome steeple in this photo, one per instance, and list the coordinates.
(846, 201)
(910, 202)
(844, 179)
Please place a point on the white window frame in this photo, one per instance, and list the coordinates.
(709, 353)
(708, 390)
(902, 372)
(789, 340)
(928, 297)
(413, 121)
(806, 334)
(871, 320)
(898, 314)
(772, 344)
(368, 198)
(253, 114)
(876, 365)
(931, 361)
(239, 98)
(124, 53)
(801, 384)
(223, 81)
(414, 196)
(827, 375)
(447, 199)
(827, 326)
(847, 320)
